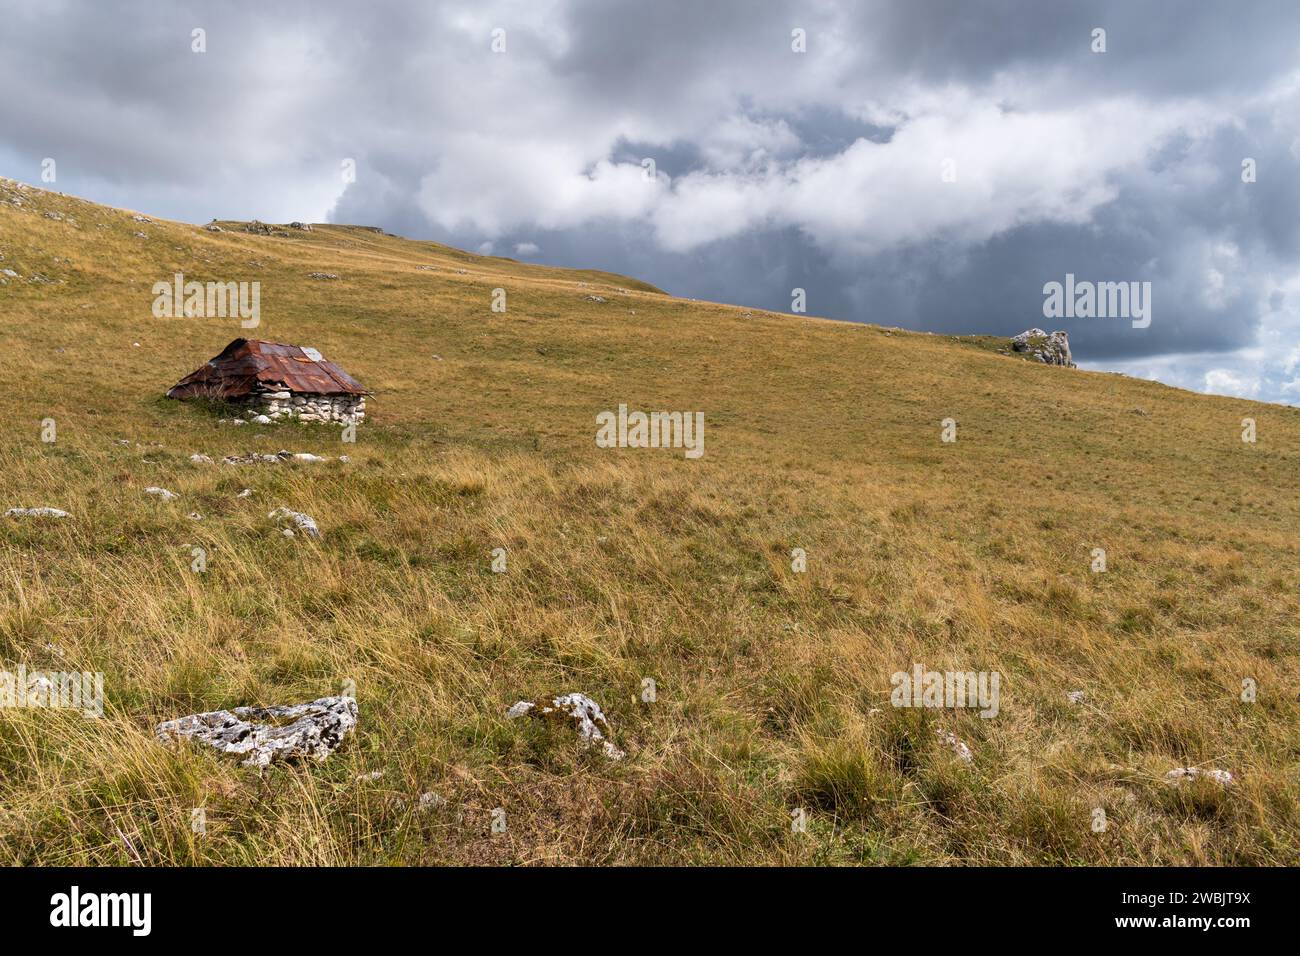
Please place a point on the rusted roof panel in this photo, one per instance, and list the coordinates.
(246, 364)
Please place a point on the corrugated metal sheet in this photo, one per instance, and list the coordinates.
(246, 364)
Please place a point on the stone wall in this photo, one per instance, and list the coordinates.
(309, 407)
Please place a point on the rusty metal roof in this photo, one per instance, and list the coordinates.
(246, 364)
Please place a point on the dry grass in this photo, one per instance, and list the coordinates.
(773, 687)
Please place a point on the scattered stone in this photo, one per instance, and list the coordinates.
(256, 458)
(213, 227)
(41, 512)
(258, 228)
(140, 235)
(321, 275)
(316, 730)
(246, 493)
(1179, 774)
(431, 800)
(200, 459)
(581, 711)
(142, 219)
(594, 298)
(373, 775)
(251, 458)
(162, 493)
(955, 745)
(1076, 696)
(302, 226)
(195, 516)
(1053, 349)
(304, 523)
(261, 420)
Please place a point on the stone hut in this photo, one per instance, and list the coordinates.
(279, 381)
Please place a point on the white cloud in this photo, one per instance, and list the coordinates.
(1011, 168)
(1222, 381)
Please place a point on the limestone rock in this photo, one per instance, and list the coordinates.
(304, 523)
(956, 745)
(162, 493)
(1050, 349)
(1179, 774)
(315, 730)
(583, 713)
(41, 512)
(255, 458)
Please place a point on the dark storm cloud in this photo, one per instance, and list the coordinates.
(776, 170)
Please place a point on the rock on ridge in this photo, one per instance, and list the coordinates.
(1049, 348)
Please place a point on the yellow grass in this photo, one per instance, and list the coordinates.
(773, 686)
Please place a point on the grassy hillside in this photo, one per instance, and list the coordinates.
(772, 686)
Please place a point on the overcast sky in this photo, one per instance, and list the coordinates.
(929, 164)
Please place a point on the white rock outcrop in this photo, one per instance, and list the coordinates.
(41, 512)
(1179, 774)
(314, 729)
(1050, 349)
(956, 745)
(304, 523)
(257, 458)
(583, 713)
